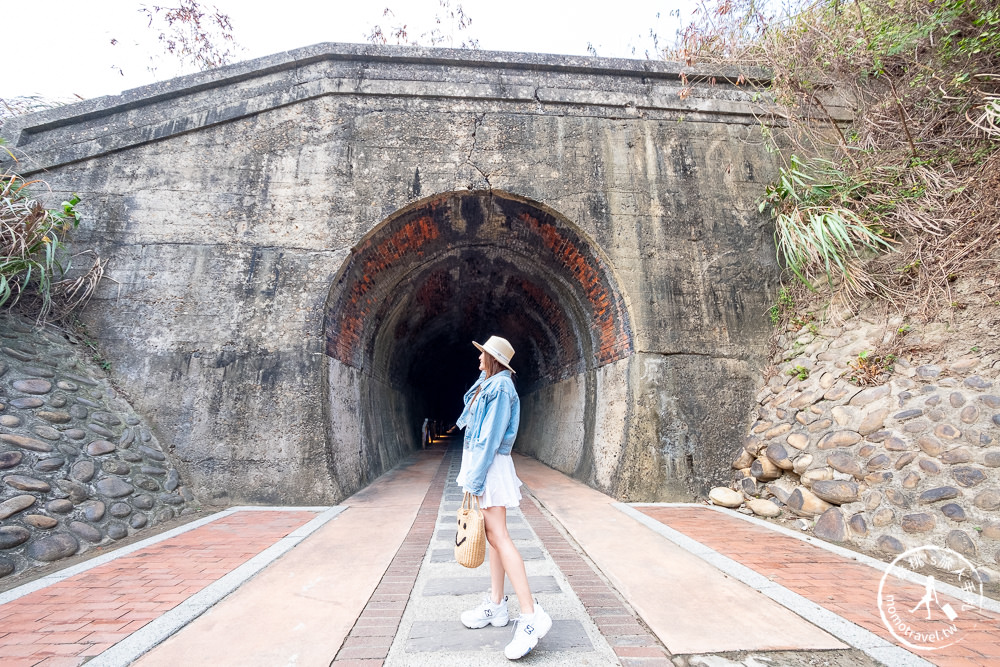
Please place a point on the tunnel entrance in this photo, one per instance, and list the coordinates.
(435, 276)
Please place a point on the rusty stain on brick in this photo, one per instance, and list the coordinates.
(505, 250)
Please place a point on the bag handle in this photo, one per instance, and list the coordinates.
(467, 501)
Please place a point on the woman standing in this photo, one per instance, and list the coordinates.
(490, 419)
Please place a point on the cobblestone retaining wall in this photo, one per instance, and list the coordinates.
(887, 467)
(78, 468)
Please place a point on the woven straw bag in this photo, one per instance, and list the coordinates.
(470, 539)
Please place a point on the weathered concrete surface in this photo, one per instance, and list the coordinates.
(238, 209)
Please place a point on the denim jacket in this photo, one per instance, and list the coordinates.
(490, 426)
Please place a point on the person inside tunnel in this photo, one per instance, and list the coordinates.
(490, 419)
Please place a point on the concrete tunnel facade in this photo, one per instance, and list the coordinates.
(301, 249)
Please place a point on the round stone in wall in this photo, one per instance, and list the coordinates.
(879, 462)
(836, 491)
(12, 506)
(898, 498)
(143, 502)
(896, 444)
(764, 508)
(836, 439)
(22, 483)
(991, 530)
(93, 510)
(86, 531)
(27, 403)
(54, 416)
(146, 483)
(6, 566)
(137, 520)
(968, 476)
(957, 455)
(988, 499)
(929, 465)
(116, 531)
(953, 511)
(83, 471)
(904, 460)
(77, 492)
(959, 541)
(164, 514)
(724, 497)
(804, 502)
(890, 545)
(151, 453)
(977, 382)
(764, 470)
(831, 526)
(59, 506)
(937, 494)
(858, 525)
(40, 521)
(32, 386)
(845, 463)
(99, 447)
(114, 487)
(24, 442)
(930, 446)
(120, 509)
(49, 464)
(53, 547)
(11, 459)
(947, 432)
(12, 536)
(114, 467)
(919, 522)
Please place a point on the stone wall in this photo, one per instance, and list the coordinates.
(910, 460)
(78, 467)
(602, 219)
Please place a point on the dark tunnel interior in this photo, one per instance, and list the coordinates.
(462, 267)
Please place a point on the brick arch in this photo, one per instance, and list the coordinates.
(479, 257)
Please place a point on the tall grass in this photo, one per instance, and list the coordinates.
(33, 256)
(814, 231)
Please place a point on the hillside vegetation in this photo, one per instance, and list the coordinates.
(901, 207)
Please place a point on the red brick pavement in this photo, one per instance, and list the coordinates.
(844, 586)
(69, 622)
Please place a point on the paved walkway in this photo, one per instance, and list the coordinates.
(373, 582)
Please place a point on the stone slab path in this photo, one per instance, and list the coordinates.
(374, 582)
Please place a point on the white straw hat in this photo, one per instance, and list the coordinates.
(498, 348)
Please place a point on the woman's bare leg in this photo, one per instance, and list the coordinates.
(496, 576)
(510, 558)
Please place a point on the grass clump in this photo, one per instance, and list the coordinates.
(33, 256)
(889, 204)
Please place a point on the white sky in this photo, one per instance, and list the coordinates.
(60, 48)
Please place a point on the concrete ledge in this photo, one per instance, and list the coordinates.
(102, 125)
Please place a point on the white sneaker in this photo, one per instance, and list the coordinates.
(527, 631)
(487, 613)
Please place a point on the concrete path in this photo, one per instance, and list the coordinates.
(374, 582)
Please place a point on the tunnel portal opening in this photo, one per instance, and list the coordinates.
(451, 269)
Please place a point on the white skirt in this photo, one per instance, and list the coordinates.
(502, 488)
